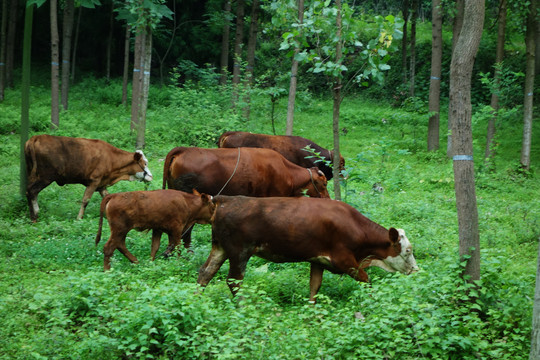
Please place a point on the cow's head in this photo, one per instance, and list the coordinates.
(316, 187)
(142, 162)
(207, 208)
(400, 254)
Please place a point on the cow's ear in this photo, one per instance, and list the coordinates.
(137, 156)
(394, 235)
(195, 192)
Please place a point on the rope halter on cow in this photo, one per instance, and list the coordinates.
(234, 172)
(313, 182)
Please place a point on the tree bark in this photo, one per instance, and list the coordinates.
(3, 42)
(237, 61)
(499, 57)
(404, 43)
(10, 46)
(535, 336)
(460, 112)
(252, 45)
(435, 81)
(136, 83)
(125, 77)
(337, 103)
(109, 44)
(75, 42)
(69, 12)
(456, 29)
(294, 75)
(224, 63)
(25, 93)
(412, 68)
(529, 87)
(55, 58)
(145, 87)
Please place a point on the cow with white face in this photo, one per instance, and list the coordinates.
(66, 160)
(404, 262)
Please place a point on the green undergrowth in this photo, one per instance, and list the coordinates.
(57, 303)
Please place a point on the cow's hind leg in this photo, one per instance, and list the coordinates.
(32, 191)
(116, 241)
(209, 269)
(156, 241)
(237, 270)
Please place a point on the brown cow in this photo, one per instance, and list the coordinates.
(242, 171)
(329, 234)
(66, 160)
(164, 211)
(291, 147)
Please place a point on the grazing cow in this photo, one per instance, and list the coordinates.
(66, 160)
(291, 147)
(163, 211)
(242, 171)
(329, 234)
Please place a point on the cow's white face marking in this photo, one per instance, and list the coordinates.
(144, 175)
(404, 263)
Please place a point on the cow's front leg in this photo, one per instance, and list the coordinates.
(209, 269)
(315, 281)
(90, 189)
(237, 270)
(156, 241)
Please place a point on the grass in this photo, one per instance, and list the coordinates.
(56, 302)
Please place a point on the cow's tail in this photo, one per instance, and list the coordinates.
(30, 157)
(167, 164)
(102, 208)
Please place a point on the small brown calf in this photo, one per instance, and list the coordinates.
(163, 211)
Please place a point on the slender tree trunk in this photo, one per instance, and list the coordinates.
(337, 103)
(414, 18)
(456, 29)
(294, 74)
(3, 42)
(252, 45)
(224, 64)
(75, 43)
(404, 43)
(136, 83)
(69, 12)
(529, 87)
(499, 57)
(460, 112)
(145, 87)
(435, 82)
(10, 47)
(55, 58)
(171, 42)
(535, 336)
(238, 41)
(125, 77)
(109, 43)
(25, 93)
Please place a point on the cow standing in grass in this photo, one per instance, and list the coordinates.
(66, 160)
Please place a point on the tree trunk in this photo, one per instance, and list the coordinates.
(414, 18)
(75, 42)
(529, 87)
(109, 44)
(3, 42)
(535, 336)
(237, 61)
(404, 43)
(55, 58)
(224, 64)
(499, 57)
(10, 47)
(136, 83)
(25, 93)
(456, 29)
(125, 77)
(294, 75)
(69, 12)
(145, 87)
(252, 44)
(460, 112)
(337, 103)
(435, 82)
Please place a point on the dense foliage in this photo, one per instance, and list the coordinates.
(56, 302)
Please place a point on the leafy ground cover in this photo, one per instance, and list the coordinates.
(56, 302)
